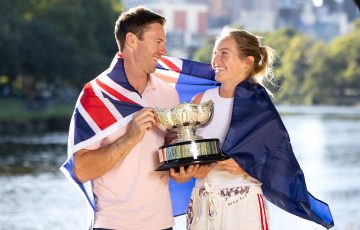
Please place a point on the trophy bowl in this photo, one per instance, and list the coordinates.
(188, 148)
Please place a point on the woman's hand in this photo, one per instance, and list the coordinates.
(196, 171)
(232, 167)
(183, 174)
(204, 170)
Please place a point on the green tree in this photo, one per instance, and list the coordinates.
(319, 80)
(295, 62)
(334, 76)
(345, 52)
(69, 40)
(279, 41)
(204, 53)
(12, 21)
(44, 40)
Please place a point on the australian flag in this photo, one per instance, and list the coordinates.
(257, 138)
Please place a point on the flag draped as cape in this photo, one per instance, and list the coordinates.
(257, 139)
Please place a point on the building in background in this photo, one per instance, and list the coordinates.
(324, 19)
(186, 23)
(321, 19)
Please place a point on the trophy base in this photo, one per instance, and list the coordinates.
(186, 162)
(202, 151)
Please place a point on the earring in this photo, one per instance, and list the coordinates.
(245, 69)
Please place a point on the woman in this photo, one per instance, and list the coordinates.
(227, 197)
(252, 135)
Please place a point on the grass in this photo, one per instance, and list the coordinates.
(16, 110)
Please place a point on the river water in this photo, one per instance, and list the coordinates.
(326, 140)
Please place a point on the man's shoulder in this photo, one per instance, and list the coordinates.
(158, 82)
(165, 90)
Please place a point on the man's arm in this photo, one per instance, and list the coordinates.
(90, 164)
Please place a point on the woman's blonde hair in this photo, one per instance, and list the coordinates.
(250, 45)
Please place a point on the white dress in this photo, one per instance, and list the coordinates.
(222, 201)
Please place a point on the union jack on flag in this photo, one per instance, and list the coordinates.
(108, 103)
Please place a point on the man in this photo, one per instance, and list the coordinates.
(129, 193)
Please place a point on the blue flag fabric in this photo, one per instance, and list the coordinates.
(257, 138)
(259, 142)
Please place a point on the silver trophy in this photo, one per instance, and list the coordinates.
(188, 148)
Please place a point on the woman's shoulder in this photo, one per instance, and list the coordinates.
(198, 97)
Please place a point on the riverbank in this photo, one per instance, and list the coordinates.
(34, 125)
(19, 117)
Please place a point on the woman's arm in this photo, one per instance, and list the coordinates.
(197, 98)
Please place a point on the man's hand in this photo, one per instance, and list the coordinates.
(143, 120)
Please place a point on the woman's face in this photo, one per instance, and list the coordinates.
(228, 66)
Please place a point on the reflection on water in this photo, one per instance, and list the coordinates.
(35, 195)
(40, 202)
(328, 149)
(19, 158)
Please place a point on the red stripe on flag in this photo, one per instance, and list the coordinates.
(171, 65)
(96, 108)
(261, 213)
(264, 210)
(113, 92)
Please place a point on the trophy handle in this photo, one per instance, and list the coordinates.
(206, 108)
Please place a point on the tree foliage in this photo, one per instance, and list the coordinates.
(53, 39)
(204, 53)
(73, 41)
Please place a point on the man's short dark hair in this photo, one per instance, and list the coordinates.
(135, 20)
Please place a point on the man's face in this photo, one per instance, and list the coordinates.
(150, 48)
